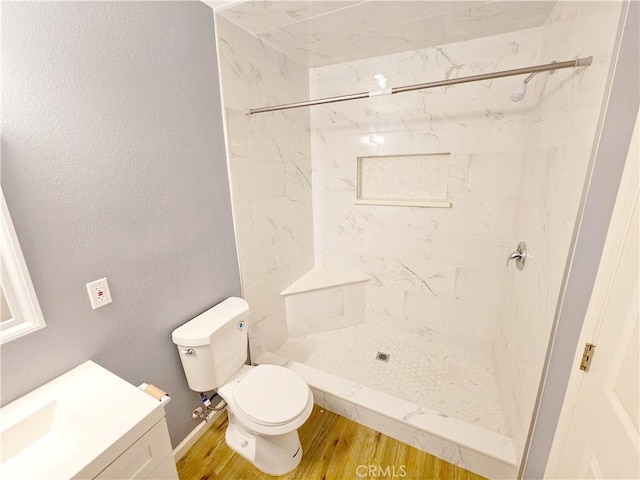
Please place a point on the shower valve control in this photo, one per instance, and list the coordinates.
(520, 255)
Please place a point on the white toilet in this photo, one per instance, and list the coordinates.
(265, 404)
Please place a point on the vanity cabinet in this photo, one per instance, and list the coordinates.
(149, 457)
(87, 423)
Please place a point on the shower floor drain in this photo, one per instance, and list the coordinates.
(383, 357)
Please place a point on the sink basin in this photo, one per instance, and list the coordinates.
(51, 434)
(71, 426)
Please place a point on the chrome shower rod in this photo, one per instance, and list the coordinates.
(579, 62)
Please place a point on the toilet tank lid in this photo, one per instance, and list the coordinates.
(198, 331)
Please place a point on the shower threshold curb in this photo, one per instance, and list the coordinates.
(476, 449)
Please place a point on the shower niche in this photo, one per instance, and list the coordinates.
(417, 180)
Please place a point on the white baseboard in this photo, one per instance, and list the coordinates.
(193, 437)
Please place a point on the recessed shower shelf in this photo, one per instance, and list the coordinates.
(418, 180)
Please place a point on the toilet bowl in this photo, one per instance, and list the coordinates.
(266, 404)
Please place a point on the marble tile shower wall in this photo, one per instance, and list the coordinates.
(435, 270)
(564, 118)
(270, 177)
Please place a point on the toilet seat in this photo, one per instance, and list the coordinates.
(271, 395)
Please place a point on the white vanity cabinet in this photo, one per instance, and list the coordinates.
(149, 457)
(87, 423)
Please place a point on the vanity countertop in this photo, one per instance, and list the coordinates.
(74, 425)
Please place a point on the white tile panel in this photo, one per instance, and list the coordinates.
(566, 107)
(318, 33)
(259, 16)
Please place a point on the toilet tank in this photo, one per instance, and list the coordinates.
(213, 345)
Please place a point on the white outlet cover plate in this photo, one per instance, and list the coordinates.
(99, 293)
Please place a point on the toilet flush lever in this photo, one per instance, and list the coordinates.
(187, 351)
(519, 255)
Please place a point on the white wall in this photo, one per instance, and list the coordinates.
(434, 270)
(270, 177)
(559, 145)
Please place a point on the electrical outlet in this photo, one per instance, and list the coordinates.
(99, 293)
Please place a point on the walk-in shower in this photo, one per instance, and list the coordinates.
(376, 222)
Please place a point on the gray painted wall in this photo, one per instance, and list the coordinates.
(113, 164)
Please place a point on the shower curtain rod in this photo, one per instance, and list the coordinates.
(579, 62)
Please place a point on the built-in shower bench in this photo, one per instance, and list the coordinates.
(324, 299)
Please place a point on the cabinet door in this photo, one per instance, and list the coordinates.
(143, 457)
(166, 470)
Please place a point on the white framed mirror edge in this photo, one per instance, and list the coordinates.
(21, 299)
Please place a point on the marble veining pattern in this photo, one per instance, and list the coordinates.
(434, 270)
(317, 33)
(558, 148)
(451, 380)
(270, 166)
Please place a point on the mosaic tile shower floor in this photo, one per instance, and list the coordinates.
(452, 380)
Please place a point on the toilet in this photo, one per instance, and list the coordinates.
(265, 404)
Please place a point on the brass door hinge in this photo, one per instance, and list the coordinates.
(587, 356)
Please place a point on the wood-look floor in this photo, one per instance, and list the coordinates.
(334, 448)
